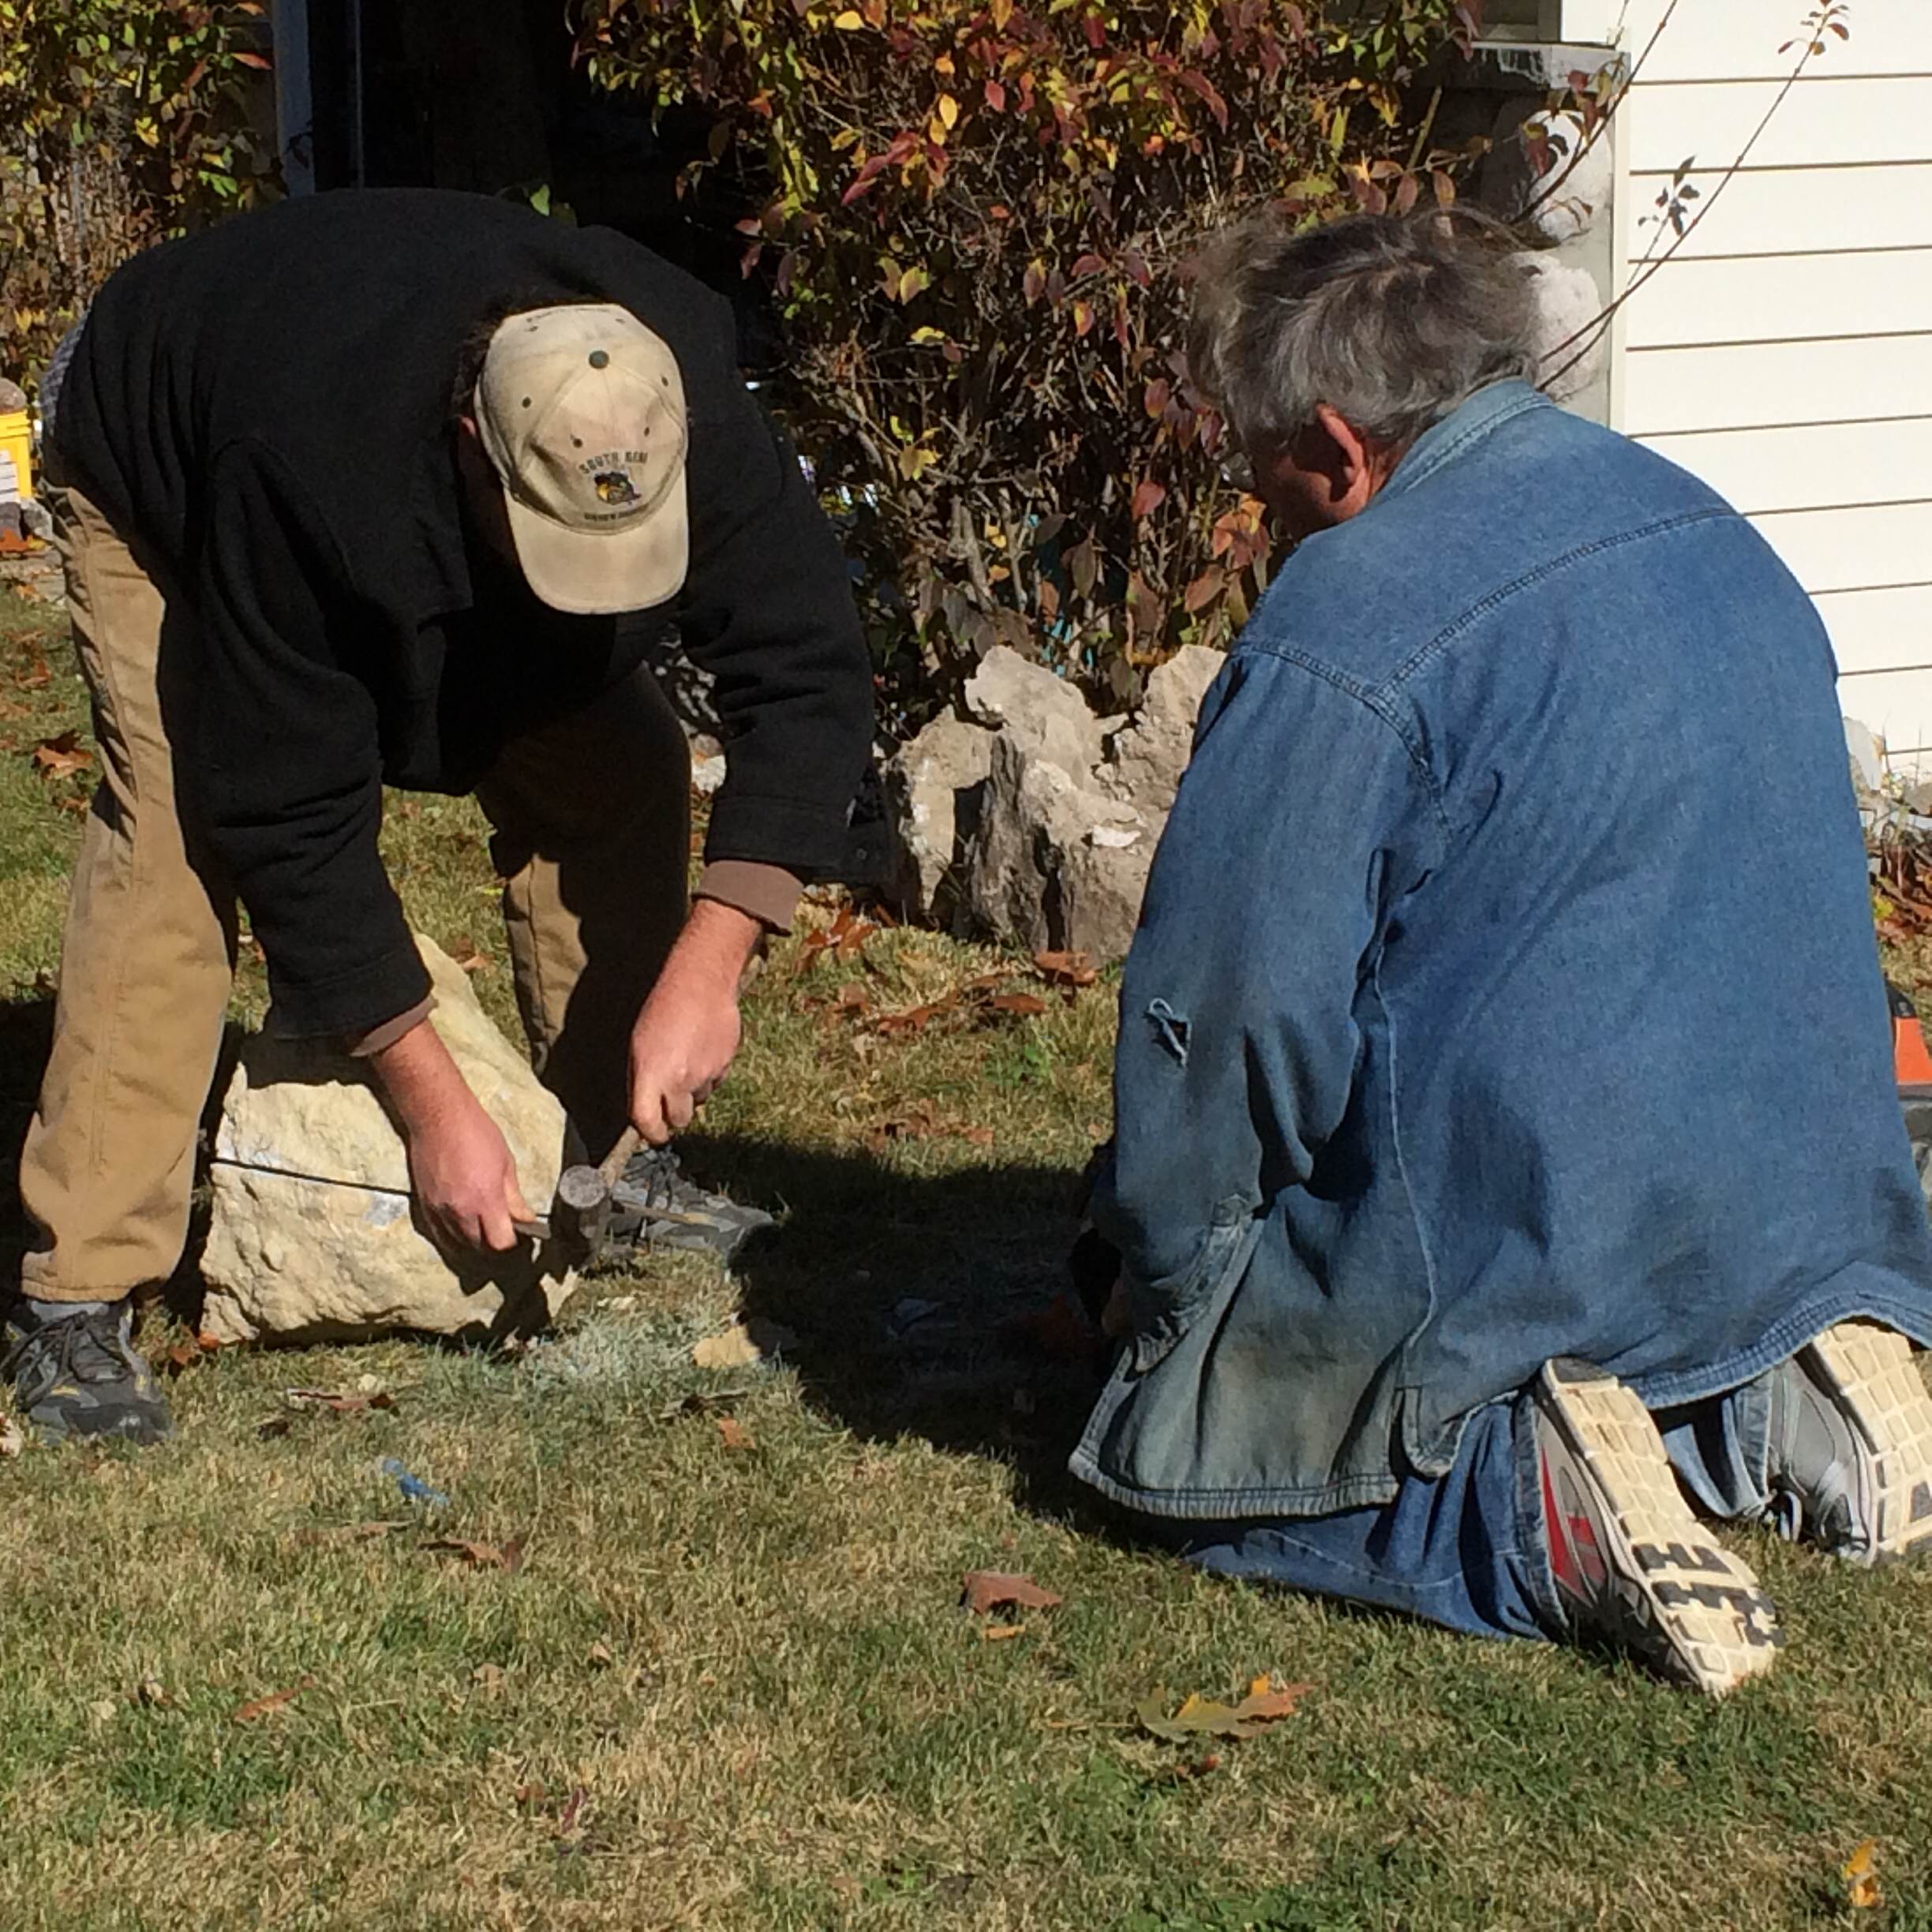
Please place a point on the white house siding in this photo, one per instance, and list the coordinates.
(1785, 353)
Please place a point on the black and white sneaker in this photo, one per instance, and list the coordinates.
(1851, 1447)
(75, 1373)
(653, 1205)
(1633, 1567)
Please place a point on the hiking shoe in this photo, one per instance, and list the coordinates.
(1632, 1565)
(1851, 1463)
(75, 1373)
(654, 1206)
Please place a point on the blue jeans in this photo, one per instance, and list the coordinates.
(1466, 1549)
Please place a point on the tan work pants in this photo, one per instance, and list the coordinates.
(591, 838)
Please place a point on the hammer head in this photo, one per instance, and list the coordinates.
(580, 1215)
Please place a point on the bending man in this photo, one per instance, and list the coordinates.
(351, 493)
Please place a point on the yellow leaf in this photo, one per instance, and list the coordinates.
(928, 334)
(1860, 1872)
(1259, 1687)
(949, 110)
(850, 21)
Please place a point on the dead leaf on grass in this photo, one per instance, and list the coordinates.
(1001, 1633)
(507, 1556)
(1860, 1872)
(13, 1437)
(844, 940)
(336, 1401)
(35, 675)
(489, 1679)
(151, 1693)
(572, 1814)
(742, 1345)
(1066, 969)
(274, 1426)
(61, 757)
(1200, 1716)
(983, 1591)
(733, 1434)
(261, 1707)
(466, 952)
(599, 1656)
(1021, 1005)
(851, 998)
(349, 1532)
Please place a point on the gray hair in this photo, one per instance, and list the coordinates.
(1393, 320)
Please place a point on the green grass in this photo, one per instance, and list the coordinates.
(750, 1663)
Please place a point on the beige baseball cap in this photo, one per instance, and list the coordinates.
(581, 409)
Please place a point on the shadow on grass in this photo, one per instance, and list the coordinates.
(910, 1292)
(916, 1300)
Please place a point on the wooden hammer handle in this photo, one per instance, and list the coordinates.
(612, 1165)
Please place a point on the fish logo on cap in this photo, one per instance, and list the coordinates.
(615, 486)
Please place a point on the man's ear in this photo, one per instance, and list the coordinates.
(1353, 467)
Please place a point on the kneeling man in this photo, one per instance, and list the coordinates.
(1508, 1161)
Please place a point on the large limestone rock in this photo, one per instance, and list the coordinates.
(312, 1236)
(1147, 759)
(933, 789)
(1057, 864)
(1043, 714)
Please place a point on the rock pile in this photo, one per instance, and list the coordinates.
(1033, 820)
(312, 1236)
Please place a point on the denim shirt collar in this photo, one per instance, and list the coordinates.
(1487, 411)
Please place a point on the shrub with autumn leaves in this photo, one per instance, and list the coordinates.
(121, 121)
(974, 218)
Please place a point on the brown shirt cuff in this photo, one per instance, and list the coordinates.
(361, 1046)
(768, 892)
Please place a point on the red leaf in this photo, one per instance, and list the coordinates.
(1072, 969)
(258, 61)
(1204, 588)
(1087, 265)
(995, 96)
(275, 1701)
(982, 1591)
(1021, 1005)
(1147, 497)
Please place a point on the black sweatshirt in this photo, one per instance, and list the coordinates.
(266, 410)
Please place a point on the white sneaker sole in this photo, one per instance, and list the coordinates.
(1869, 1373)
(1690, 1609)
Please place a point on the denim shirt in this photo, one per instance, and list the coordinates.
(1506, 988)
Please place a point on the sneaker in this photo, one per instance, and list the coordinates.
(653, 1205)
(1850, 1465)
(1632, 1565)
(77, 1374)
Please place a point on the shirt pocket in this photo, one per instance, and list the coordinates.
(1223, 1252)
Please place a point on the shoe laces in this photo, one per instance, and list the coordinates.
(85, 1348)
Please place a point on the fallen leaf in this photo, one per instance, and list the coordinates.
(999, 1633)
(985, 1591)
(979, 1136)
(851, 998)
(151, 1694)
(480, 1555)
(530, 1795)
(733, 1434)
(1860, 1872)
(349, 1532)
(742, 1345)
(13, 1437)
(61, 757)
(276, 1700)
(1185, 1773)
(573, 1811)
(274, 1426)
(1022, 1006)
(35, 675)
(465, 952)
(599, 1655)
(1067, 969)
(1200, 1716)
(182, 1355)
(105, 1711)
(336, 1402)
(489, 1679)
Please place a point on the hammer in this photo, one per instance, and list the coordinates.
(580, 1213)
